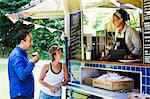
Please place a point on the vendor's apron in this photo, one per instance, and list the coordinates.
(121, 51)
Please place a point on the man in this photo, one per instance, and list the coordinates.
(21, 79)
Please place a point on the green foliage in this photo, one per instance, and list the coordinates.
(85, 20)
(134, 23)
(101, 32)
(100, 20)
(56, 23)
(8, 35)
(10, 6)
(42, 38)
(8, 31)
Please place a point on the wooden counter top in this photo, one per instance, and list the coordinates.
(112, 63)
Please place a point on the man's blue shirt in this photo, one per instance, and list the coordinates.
(21, 79)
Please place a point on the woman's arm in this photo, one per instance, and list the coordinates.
(42, 76)
(65, 82)
(65, 67)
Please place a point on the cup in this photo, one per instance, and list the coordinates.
(34, 54)
(88, 55)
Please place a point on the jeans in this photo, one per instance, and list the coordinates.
(45, 96)
(21, 97)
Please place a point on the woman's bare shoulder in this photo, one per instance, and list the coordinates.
(64, 66)
(46, 66)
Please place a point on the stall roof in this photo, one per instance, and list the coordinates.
(110, 3)
(137, 3)
(47, 9)
(51, 8)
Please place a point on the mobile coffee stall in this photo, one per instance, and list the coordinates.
(84, 71)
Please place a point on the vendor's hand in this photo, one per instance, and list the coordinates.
(126, 56)
(130, 56)
(105, 57)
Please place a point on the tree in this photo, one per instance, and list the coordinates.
(8, 31)
(42, 38)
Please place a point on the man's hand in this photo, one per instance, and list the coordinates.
(35, 59)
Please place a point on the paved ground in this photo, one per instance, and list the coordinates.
(4, 86)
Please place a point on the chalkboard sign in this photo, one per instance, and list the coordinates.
(75, 36)
(146, 6)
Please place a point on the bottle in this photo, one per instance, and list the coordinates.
(88, 52)
(117, 45)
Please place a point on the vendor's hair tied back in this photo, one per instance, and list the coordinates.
(124, 14)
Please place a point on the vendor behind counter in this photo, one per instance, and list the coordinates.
(128, 43)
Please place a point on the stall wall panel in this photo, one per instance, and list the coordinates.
(145, 72)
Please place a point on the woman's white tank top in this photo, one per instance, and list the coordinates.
(53, 79)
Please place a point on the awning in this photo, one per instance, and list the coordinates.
(137, 3)
(51, 8)
(47, 9)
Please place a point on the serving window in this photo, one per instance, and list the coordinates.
(99, 32)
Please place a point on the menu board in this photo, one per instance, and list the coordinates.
(75, 36)
(146, 7)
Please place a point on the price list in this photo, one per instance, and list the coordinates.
(146, 6)
(75, 36)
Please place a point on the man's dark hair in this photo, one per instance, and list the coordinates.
(22, 36)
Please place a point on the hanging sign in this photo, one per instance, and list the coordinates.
(146, 7)
(75, 36)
